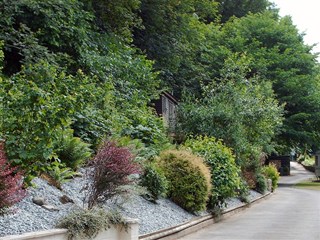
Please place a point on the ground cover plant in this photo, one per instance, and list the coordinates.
(87, 223)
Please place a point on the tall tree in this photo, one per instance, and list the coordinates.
(282, 57)
(119, 17)
(175, 36)
(240, 8)
(37, 30)
(239, 109)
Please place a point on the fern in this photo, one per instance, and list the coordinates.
(73, 152)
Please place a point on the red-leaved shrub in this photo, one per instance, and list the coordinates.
(110, 170)
(11, 183)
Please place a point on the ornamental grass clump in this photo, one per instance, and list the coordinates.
(109, 172)
(11, 183)
(189, 179)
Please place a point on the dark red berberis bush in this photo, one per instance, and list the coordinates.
(110, 170)
(11, 183)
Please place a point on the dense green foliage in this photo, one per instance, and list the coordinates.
(38, 105)
(189, 179)
(43, 30)
(119, 16)
(225, 174)
(63, 73)
(176, 36)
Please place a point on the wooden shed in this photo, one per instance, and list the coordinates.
(166, 107)
(281, 162)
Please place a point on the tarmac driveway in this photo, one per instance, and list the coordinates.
(290, 213)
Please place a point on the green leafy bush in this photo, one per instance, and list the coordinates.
(154, 180)
(225, 177)
(38, 107)
(261, 183)
(308, 161)
(272, 173)
(189, 179)
(87, 223)
(146, 126)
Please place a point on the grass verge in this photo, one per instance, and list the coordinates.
(312, 184)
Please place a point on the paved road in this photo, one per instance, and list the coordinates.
(290, 214)
(297, 174)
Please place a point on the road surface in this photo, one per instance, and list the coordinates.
(290, 214)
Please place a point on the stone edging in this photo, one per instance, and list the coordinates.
(197, 223)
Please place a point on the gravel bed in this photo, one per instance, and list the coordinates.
(29, 217)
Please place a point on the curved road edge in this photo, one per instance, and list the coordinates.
(196, 224)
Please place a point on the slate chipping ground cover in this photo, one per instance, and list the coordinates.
(28, 217)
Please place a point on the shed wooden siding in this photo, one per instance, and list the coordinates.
(166, 108)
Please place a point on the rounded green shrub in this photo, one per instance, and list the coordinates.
(154, 180)
(189, 179)
(225, 174)
(272, 173)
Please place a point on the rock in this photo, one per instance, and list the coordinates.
(77, 175)
(50, 208)
(149, 198)
(39, 200)
(65, 199)
(269, 185)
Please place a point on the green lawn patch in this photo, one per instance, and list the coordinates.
(312, 184)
